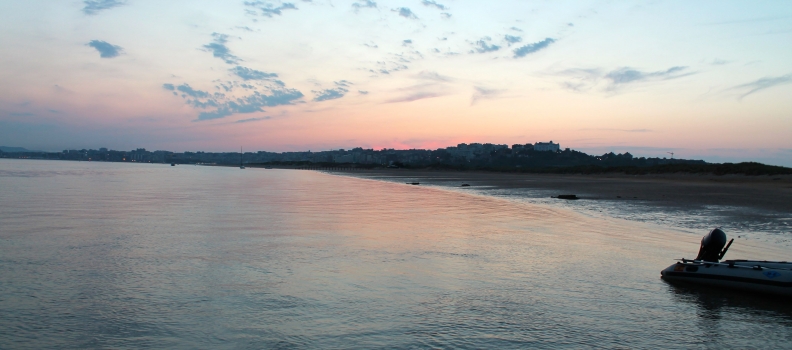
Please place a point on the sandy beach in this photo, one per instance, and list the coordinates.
(770, 193)
(757, 208)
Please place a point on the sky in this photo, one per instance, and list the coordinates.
(705, 80)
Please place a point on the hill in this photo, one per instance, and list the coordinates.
(15, 149)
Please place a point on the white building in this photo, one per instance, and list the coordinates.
(547, 146)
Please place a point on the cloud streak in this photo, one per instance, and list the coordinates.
(223, 106)
(481, 93)
(251, 74)
(342, 87)
(405, 12)
(531, 48)
(189, 91)
(586, 79)
(252, 120)
(388, 68)
(432, 3)
(364, 4)
(106, 50)
(628, 75)
(512, 39)
(220, 50)
(414, 97)
(252, 103)
(762, 84)
(270, 10)
(92, 7)
(329, 94)
(483, 46)
(434, 76)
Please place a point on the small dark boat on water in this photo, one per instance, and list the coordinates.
(760, 276)
(413, 183)
(567, 196)
(465, 185)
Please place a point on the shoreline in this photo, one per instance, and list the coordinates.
(747, 207)
(771, 193)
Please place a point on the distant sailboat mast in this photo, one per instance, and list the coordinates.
(241, 156)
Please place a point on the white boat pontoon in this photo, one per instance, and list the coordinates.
(773, 277)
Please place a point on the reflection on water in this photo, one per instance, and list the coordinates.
(717, 310)
(98, 255)
(746, 223)
(711, 301)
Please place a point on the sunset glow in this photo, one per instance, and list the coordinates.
(709, 80)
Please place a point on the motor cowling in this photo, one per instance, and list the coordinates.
(712, 245)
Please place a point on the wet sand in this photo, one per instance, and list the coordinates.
(763, 193)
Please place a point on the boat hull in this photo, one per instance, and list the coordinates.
(767, 277)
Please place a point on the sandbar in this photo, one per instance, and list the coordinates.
(763, 193)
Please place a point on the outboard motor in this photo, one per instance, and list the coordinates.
(712, 246)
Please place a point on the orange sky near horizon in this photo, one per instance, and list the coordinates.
(707, 80)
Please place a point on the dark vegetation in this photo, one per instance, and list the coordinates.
(500, 159)
(746, 168)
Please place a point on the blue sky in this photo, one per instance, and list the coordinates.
(706, 79)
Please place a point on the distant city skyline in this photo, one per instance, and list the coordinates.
(635, 151)
(539, 155)
(705, 80)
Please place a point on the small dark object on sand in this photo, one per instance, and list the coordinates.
(567, 196)
(413, 183)
(465, 185)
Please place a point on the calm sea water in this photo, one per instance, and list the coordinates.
(108, 255)
(771, 228)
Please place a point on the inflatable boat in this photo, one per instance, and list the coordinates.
(771, 277)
